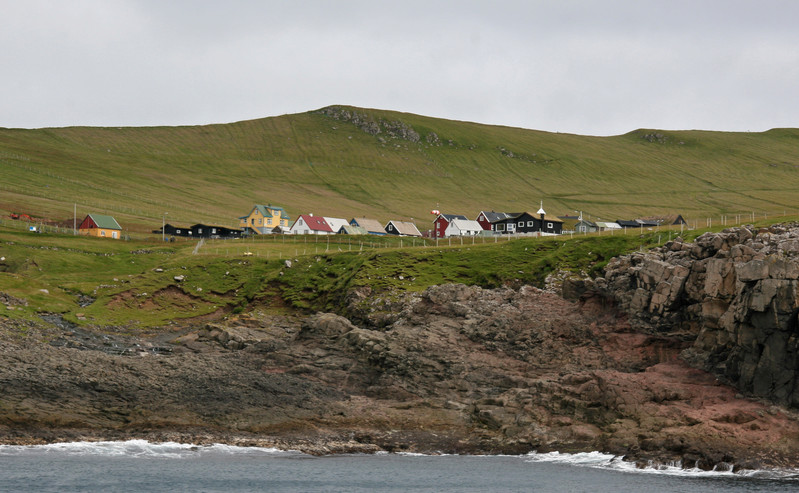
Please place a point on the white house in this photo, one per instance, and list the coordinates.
(463, 227)
(336, 223)
(308, 224)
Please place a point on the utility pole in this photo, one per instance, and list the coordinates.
(163, 227)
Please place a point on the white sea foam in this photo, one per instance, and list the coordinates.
(136, 448)
(599, 460)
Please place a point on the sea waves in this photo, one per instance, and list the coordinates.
(173, 450)
(599, 460)
(137, 448)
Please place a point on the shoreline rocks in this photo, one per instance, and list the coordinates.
(652, 364)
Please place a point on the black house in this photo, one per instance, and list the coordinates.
(200, 231)
(517, 223)
(206, 231)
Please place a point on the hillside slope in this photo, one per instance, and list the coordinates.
(343, 161)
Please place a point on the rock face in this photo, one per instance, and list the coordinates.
(455, 369)
(732, 294)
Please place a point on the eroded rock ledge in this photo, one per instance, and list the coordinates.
(732, 294)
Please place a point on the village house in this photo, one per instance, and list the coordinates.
(402, 228)
(585, 226)
(517, 223)
(548, 225)
(199, 231)
(308, 224)
(668, 220)
(336, 223)
(463, 227)
(490, 220)
(100, 226)
(263, 219)
(442, 222)
(372, 226)
(523, 223)
(636, 223)
(349, 229)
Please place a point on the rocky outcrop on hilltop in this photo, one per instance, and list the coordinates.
(733, 295)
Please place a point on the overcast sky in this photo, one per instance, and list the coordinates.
(600, 67)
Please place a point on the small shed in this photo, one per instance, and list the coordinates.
(607, 226)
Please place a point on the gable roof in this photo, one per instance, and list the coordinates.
(495, 217)
(586, 222)
(405, 228)
(336, 223)
(370, 225)
(607, 225)
(635, 223)
(266, 210)
(104, 222)
(466, 225)
(349, 229)
(667, 220)
(315, 223)
(450, 217)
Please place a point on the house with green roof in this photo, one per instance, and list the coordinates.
(263, 219)
(100, 226)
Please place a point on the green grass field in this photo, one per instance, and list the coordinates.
(137, 284)
(324, 162)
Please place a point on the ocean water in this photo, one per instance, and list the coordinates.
(139, 466)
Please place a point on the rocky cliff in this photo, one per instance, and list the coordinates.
(733, 295)
(653, 363)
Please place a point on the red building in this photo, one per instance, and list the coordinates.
(441, 223)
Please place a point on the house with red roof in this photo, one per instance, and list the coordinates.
(308, 224)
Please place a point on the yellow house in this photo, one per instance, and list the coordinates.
(263, 219)
(100, 226)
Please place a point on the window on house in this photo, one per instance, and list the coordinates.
(102, 233)
(500, 227)
(213, 231)
(549, 225)
(177, 231)
(521, 224)
(530, 224)
(200, 231)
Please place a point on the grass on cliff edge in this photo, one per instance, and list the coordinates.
(136, 284)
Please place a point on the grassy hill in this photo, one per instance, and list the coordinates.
(343, 161)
